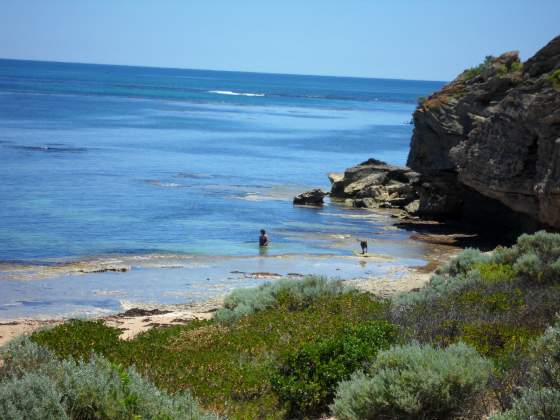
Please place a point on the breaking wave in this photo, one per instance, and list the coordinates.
(229, 92)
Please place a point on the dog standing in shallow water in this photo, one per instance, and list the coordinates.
(363, 244)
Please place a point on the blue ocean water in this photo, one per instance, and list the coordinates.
(98, 159)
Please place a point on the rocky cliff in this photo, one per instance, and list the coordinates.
(488, 143)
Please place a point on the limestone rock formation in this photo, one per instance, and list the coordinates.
(488, 143)
(310, 198)
(374, 184)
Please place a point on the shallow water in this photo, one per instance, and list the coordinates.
(109, 160)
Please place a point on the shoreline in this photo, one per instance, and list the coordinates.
(394, 265)
(144, 317)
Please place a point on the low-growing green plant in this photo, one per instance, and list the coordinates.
(295, 294)
(306, 378)
(79, 338)
(414, 382)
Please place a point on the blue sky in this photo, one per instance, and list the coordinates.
(423, 39)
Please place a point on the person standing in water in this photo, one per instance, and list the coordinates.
(263, 239)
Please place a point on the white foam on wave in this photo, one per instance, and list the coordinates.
(229, 92)
(162, 184)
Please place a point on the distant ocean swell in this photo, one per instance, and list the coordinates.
(175, 93)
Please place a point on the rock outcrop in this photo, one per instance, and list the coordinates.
(374, 184)
(310, 198)
(488, 143)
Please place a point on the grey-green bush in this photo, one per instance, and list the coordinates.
(34, 384)
(23, 355)
(31, 397)
(546, 358)
(464, 262)
(414, 382)
(452, 277)
(440, 285)
(295, 293)
(534, 404)
(535, 257)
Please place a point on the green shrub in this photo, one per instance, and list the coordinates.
(414, 382)
(494, 272)
(534, 404)
(43, 386)
(504, 288)
(554, 78)
(516, 66)
(294, 294)
(472, 72)
(495, 339)
(493, 302)
(306, 379)
(540, 398)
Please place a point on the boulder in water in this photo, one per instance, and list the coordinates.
(310, 198)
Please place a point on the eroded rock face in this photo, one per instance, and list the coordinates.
(310, 198)
(374, 184)
(493, 135)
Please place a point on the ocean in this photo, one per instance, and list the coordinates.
(117, 162)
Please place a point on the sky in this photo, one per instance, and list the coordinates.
(406, 39)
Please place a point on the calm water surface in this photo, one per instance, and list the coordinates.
(102, 160)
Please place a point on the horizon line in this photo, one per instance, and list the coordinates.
(227, 71)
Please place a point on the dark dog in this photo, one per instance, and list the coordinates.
(363, 244)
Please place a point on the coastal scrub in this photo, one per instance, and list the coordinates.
(35, 384)
(227, 365)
